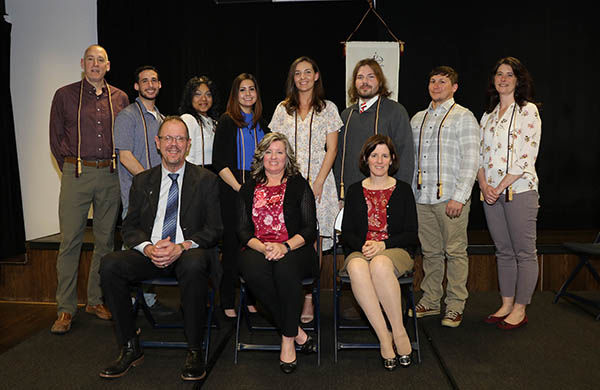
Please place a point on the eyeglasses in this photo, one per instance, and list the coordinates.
(168, 139)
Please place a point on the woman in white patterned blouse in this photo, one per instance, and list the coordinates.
(510, 135)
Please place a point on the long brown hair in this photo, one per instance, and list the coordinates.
(292, 101)
(524, 91)
(383, 87)
(233, 104)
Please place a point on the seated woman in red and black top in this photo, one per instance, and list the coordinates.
(379, 231)
(278, 226)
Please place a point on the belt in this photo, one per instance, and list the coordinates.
(90, 163)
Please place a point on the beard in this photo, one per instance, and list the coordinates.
(148, 97)
(367, 94)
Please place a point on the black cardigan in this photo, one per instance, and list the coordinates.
(225, 144)
(299, 210)
(401, 219)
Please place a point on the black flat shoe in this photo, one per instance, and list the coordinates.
(193, 368)
(404, 360)
(309, 346)
(288, 368)
(131, 356)
(390, 364)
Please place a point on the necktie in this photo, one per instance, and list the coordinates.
(363, 105)
(170, 223)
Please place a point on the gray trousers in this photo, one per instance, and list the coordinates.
(512, 226)
(97, 187)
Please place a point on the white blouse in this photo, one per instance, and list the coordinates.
(196, 132)
(525, 133)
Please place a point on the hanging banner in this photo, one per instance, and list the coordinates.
(387, 55)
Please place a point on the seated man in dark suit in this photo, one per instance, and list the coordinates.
(171, 232)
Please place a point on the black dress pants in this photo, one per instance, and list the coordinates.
(119, 270)
(278, 284)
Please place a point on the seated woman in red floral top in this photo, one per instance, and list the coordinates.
(278, 227)
(379, 231)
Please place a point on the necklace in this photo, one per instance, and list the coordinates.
(346, 129)
(509, 154)
(112, 129)
(139, 106)
(244, 151)
(439, 153)
(309, 140)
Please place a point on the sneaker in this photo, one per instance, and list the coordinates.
(423, 311)
(452, 319)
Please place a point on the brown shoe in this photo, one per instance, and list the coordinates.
(101, 311)
(452, 319)
(63, 324)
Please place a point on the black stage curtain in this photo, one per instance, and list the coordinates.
(12, 233)
(555, 42)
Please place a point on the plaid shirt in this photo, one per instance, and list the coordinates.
(458, 158)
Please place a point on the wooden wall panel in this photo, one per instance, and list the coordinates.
(36, 280)
(557, 268)
(483, 274)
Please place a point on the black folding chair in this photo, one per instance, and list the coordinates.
(243, 311)
(140, 302)
(584, 251)
(406, 284)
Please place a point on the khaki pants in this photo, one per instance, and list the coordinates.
(444, 238)
(97, 187)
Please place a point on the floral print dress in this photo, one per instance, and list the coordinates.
(323, 123)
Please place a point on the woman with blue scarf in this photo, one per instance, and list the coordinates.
(239, 131)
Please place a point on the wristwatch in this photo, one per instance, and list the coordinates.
(287, 246)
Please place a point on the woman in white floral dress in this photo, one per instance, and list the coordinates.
(510, 136)
(311, 123)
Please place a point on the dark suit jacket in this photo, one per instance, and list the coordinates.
(199, 215)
